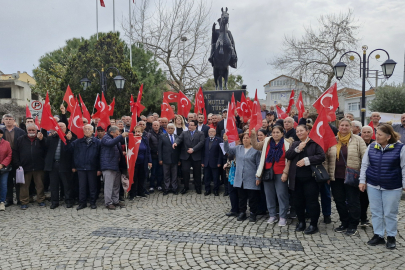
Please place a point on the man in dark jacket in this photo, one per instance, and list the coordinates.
(86, 161)
(11, 134)
(212, 161)
(156, 175)
(221, 124)
(30, 152)
(201, 127)
(289, 129)
(192, 143)
(169, 158)
(110, 156)
(58, 162)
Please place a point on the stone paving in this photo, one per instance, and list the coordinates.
(179, 232)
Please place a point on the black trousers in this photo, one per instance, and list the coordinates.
(363, 205)
(55, 178)
(10, 186)
(349, 213)
(87, 178)
(306, 195)
(233, 197)
(186, 166)
(211, 174)
(224, 179)
(137, 188)
(245, 195)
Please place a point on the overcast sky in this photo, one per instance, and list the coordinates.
(31, 28)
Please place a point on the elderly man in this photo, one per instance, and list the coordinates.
(192, 143)
(349, 116)
(190, 117)
(289, 129)
(264, 110)
(214, 121)
(110, 157)
(222, 124)
(30, 152)
(149, 121)
(100, 132)
(375, 119)
(128, 120)
(209, 119)
(86, 161)
(400, 128)
(58, 162)
(163, 124)
(212, 160)
(155, 116)
(356, 127)
(169, 159)
(120, 125)
(11, 134)
(157, 170)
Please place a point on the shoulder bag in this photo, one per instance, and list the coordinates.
(319, 173)
(351, 176)
(6, 169)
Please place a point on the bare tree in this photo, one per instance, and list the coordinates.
(178, 33)
(313, 56)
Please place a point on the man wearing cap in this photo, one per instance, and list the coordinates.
(100, 132)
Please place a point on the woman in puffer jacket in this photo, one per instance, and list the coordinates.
(348, 152)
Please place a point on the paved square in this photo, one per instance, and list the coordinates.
(179, 232)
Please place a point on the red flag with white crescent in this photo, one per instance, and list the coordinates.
(111, 108)
(199, 101)
(70, 99)
(132, 154)
(281, 114)
(256, 118)
(76, 122)
(321, 133)
(171, 96)
(37, 122)
(48, 122)
(329, 101)
(244, 107)
(86, 113)
(166, 110)
(231, 130)
(183, 105)
(300, 106)
(291, 102)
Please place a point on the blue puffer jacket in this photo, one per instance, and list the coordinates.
(86, 157)
(110, 152)
(385, 166)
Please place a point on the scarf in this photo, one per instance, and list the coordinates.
(276, 151)
(342, 140)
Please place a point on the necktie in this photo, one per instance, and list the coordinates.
(192, 133)
(171, 138)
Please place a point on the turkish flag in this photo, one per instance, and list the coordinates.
(48, 122)
(138, 101)
(27, 112)
(300, 106)
(111, 108)
(171, 96)
(244, 107)
(86, 113)
(281, 114)
(102, 3)
(76, 122)
(291, 102)
(132, 154)
(199, 101)
(231, 130)
(232, 105)
(166, 110)
(372, 126)
(183, 105)
(37, 122)
(136, 108)
(256, 118)
(328, 101)
(250, 107)
(70, 99)
(321, 133)
(102, 113)
(238, 110)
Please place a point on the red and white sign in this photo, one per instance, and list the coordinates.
(36, 108)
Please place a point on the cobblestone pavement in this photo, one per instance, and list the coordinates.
(179, 232)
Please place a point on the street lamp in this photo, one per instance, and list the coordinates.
(387, 68)
(118, 80)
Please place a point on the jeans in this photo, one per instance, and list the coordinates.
(326, 201)
(276, 189)
(349, 213)
(3, 186)
(306, 195)
(363, 205)
(156, 173)
(384, 210)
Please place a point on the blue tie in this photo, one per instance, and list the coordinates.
(171, 138)
(192, 133)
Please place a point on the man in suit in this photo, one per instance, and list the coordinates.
(11, 134)
(201, 127)
(192, 144)
(169, 159)
(222, 124)
(212, 157)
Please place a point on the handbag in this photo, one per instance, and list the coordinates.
(6, 169)
(319, 173)
(351, 175)
(19, 176)
(268, 174)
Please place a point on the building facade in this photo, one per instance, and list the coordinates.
(353, 103)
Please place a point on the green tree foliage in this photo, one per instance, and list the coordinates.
(68, 65)
(234, 83)
(389, 99)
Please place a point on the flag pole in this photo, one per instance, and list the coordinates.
(97, 17)
(114, 16)
(130, 34)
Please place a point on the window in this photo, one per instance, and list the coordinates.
(5, 92)
(354, 106)
(34, 96)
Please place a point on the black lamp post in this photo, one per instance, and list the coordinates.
(387, 68)
(119, 80)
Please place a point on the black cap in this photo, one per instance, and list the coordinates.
(100, 128)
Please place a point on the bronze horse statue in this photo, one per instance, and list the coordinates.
(223, 52)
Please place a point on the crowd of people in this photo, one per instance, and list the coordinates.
(269, 170)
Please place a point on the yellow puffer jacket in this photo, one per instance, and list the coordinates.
(355, 151)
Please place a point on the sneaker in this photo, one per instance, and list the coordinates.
(376, 240)
(351, 232)
(391, 243)
(2, 206)
(282, 222)
(151, 190)
(159, 188)
(341, 229)
(42, 204)
(24, 207)
(272, 220)
(365, 223)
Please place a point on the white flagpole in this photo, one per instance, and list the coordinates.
(114, 16)
(97, 16)
(130, 34)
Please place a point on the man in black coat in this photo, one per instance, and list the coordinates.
(30, 152)
(169, 159)
(156, 176)
(11, 134)
(201, 127)
(289, 129)
(58, 162)
(221, 124)
(192, 143)
(212, 161)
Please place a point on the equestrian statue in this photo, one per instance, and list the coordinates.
(223, 52)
